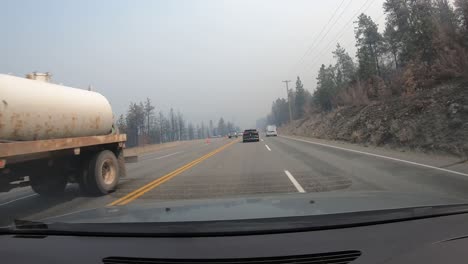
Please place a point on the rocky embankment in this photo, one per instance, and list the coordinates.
(434, 120)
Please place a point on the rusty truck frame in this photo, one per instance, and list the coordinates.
(94, 162)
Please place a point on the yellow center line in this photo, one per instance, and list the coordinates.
(153, 184)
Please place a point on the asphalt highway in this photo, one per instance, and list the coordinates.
(225, 167)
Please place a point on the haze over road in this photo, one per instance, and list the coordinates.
(229, 168)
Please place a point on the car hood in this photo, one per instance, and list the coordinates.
(255, 207)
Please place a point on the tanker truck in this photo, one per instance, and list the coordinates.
(52, 135)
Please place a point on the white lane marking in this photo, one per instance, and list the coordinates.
(381, 156)
(294, 182)
(261, 139)
(269, 149)
(165, 156)
(21, 198)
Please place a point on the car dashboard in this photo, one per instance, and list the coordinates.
(442, 239)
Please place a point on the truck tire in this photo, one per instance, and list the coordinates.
(49, 183)
(101, 174)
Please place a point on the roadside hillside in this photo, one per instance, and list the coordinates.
(432, 120)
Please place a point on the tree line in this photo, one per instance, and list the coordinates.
(144, 125)
(425, 42)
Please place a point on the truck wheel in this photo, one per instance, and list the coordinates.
(102, 174)
(50, 183)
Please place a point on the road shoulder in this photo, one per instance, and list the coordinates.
(436, 160)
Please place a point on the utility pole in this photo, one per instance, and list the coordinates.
(289, 100)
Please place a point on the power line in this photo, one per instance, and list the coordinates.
(340, 34)
(318, 35)
(328, 31)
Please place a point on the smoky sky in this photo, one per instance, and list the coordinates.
(205, 58)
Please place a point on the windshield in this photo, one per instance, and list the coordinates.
(178, 111)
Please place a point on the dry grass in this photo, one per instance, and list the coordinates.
(355, 94)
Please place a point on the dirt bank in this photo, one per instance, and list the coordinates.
(434, 120)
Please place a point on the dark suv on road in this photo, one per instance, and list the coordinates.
(250, 135)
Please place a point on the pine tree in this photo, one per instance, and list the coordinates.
(135, 121)
(446, 19)
(121, 124)
(279, 112)
(326, 88)
(300, 98)
(398, 27)
(199, 130)
(149, 112)
(423, 30)
(413, 28)
(462, 17)
(344, 66)
(180, 126)
(162, 132)
(191, 131)
(369, 44)
(173, 120)
(392, 43)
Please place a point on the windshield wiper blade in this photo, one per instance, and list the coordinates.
(21, 224)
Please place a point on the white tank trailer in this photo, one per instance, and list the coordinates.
(36, 110)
